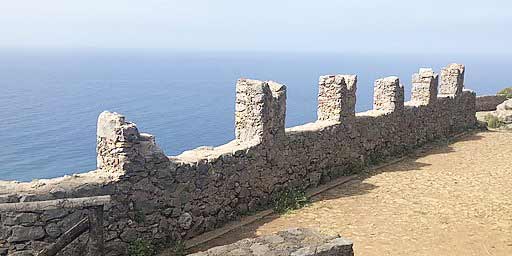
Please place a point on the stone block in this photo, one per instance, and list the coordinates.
(336, 97)
(295, 241)
(108, 125)
(452, 80)
(260, 110)
(21, 219)
(504, 111)
(20, 234)
(424, 87)
(388, 95)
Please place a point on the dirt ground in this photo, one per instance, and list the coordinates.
(449, 200)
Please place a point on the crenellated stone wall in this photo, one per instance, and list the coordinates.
(161, 199)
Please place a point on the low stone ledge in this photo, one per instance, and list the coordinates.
(489, 102)
(295, 242)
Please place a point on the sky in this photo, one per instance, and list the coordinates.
(355, 26)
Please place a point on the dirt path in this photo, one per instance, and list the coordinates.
(453, 200)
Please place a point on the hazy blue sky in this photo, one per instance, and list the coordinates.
(437, 26)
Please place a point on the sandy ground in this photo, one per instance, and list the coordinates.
(450, 200)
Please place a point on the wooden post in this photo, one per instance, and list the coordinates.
(96, 246)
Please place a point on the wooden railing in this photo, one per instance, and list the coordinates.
(93, 222)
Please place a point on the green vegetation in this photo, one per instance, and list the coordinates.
(141, 247)
(493, 121)
(352, 168)
(178, 249)
(507, 92)
(375, 159)
(288, 200)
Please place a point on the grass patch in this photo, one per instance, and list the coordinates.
(507, 92)
(493, 121)
(290, 199)
(374, 159)
(141, 247)
(178, 249)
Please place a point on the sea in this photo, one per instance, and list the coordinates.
(50, 99)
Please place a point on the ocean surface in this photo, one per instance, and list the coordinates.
(50, 100)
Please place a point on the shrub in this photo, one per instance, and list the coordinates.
(290, 199)
(141, 247)
(493, 121)
(507, 92)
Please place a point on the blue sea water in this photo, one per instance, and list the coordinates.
(50, 100)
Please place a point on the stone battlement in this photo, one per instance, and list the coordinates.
(161, 198)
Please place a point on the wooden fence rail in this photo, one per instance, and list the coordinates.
(66, 203)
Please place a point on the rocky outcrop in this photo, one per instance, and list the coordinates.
(294, 242)
(504, 111)
(501, 118)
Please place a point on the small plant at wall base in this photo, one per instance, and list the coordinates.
(507, 92)
(493, 121)
(141, 247)
(178, 249)
(289, 199)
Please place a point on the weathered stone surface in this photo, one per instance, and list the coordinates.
(54, 214)
(5, 232)
(8, 199)
(20, 219)
(424, 87)
(336, 97)
(22, 253)
(388, 95)
(53, 230)
(452, 80)
(504, 111)
(296, 242)
(20, 233)
(129, 235)
(108, 125)
(259, 110)
(489, 102)
(185, 220)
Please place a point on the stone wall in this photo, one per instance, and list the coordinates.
(161, 199)
(489, 102)
(294, 242)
